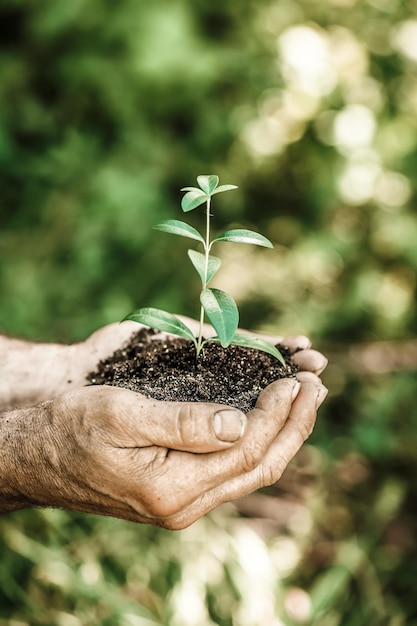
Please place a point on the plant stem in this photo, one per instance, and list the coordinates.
(206, 263)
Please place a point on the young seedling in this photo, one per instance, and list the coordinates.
(218, 306)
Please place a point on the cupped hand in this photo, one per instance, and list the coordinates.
(114, 452)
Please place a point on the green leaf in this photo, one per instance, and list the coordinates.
(161, 320)
(176, 227)
(241, 235)
(222, 312)
(222, 188)
(249, 341)
(199, 262)
(208, 183)
(193, 199)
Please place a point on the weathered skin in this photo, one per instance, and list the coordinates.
(114, 452)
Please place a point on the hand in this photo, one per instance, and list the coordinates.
(113, 452)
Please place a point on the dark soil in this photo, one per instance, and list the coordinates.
(168, 370)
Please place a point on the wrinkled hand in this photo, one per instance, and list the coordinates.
(113, 452)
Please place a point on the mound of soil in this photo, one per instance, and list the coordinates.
(168, 370)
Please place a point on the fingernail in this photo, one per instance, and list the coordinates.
(295, 390)
(229, 425)
(321, 395)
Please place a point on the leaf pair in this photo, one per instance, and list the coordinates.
(236, 235)
(220, 308)
(168, 323)
(196, 196)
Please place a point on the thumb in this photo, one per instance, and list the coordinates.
(193, 426)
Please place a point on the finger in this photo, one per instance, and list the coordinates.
(308, 377)
(296, 342)
(206, 471)
(286, 445)
(106, 340)
(293, 343)
(310, 360)
(196, 427)
(116, 333)
(207, 427)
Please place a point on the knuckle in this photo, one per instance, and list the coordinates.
(304, 429)
(273, 472)
(162, 507)
(251, 455)
(186, 426)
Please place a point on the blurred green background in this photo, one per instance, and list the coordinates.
(106, 110)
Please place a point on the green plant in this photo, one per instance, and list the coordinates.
(218, 306)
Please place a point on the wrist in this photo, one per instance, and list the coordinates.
(31, 372)
(20, 462)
